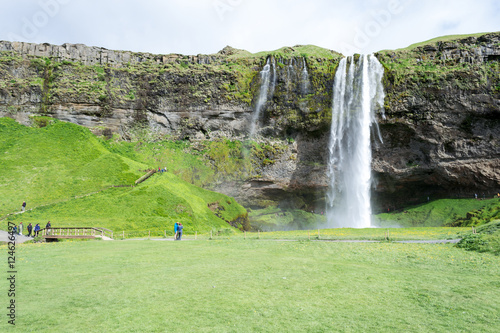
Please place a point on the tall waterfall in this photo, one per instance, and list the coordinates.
(357, 95)
(265, 78)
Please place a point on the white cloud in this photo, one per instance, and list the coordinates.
(206, 26)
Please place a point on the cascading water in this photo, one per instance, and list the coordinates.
(304, 87)
(265, 78)
(357, 95)
(290, 71)
(273, 78)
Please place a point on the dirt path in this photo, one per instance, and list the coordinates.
(21, 239)
(4, 237)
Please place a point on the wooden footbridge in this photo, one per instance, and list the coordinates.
(76, 233)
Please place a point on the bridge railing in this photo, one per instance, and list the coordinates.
(76, 231)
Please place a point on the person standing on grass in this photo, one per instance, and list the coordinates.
(20, 228)
(176, 228)
(29, 227)
(179, 231)
(47, 228)
(23, 206)
(37, 230)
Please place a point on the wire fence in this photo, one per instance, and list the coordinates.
(339, 234)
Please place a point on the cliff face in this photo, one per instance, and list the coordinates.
(443, 107)
(440, 136)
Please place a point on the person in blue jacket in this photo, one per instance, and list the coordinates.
(37, 230)
(176, 227)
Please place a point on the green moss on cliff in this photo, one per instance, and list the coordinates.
(448, 63)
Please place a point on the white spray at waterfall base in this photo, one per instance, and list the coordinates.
(357, 95)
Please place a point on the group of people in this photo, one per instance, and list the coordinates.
(19, 229)
(178, 227)
(161, 170)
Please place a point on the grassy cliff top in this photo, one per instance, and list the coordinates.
(289, 52)
(447, 38)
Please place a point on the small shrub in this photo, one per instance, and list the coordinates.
(492, 243)
(489, 228)
(472, 242)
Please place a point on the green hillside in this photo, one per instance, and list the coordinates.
(154, 205)
(66, 175)
(435, 213)
(55, 162)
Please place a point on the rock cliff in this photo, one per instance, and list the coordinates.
(440, 136)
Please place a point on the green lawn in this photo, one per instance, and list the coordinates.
(253, 286)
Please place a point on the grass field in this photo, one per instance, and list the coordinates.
(253, 286)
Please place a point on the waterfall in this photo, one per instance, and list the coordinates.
(304, 78)
(265, 79)
(273, 79)
(290, 71)
(357, 95)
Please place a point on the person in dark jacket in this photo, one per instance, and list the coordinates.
(29, 228)
(179, 231)
(47, 228)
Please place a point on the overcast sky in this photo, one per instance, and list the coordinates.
(206, 26)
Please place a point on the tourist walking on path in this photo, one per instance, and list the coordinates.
(29, 227)
(47, 228)
(20, 228)
(14, 230)
(176, 226)
(23, 206)
(179, 231)
(37, 230)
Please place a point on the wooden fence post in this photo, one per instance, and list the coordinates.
(123, 234)
(318, 233)
(258, 234)
(245, 234)
(210, 234)
(149, 234)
